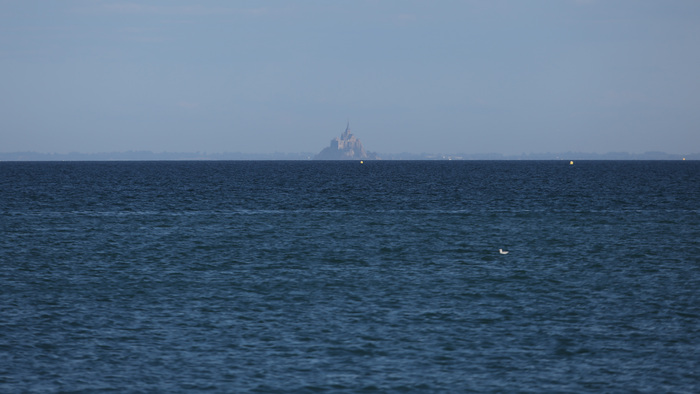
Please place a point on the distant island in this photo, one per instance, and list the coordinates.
(347, 147)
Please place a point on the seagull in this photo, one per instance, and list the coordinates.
(501, 251)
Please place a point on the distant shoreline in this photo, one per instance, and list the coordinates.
(199, 156)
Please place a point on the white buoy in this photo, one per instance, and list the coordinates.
(501, 251)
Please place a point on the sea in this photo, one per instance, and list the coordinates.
(382, 276)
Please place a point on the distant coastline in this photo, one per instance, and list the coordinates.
(170, 156)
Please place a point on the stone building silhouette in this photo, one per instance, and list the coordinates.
(347, 147)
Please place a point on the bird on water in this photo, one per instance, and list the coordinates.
(501, 251)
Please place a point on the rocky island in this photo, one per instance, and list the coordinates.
(347, 147)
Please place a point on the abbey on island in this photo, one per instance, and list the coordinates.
(347, 147)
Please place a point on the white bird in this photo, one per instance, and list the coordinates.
(501, 251)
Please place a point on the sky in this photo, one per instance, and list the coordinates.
(443, 76)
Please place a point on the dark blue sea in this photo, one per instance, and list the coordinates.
(385, 276)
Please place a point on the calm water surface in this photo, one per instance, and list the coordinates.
(340, 276)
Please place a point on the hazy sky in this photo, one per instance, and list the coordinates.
(465, 76)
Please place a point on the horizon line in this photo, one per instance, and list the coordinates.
(145, 155)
